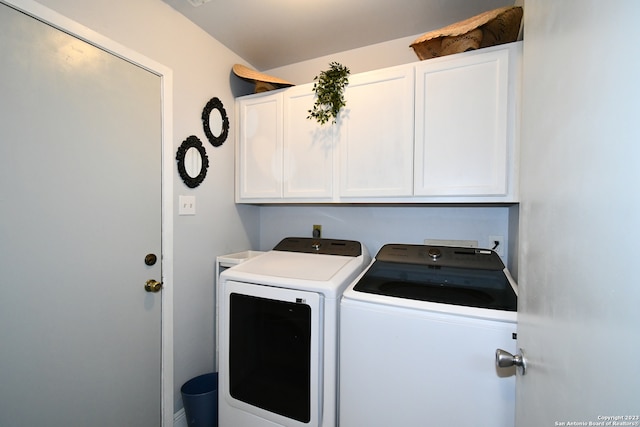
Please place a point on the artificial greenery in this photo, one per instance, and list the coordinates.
(329, 88)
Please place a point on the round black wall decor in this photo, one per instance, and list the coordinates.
(192, 178)
(215, 104)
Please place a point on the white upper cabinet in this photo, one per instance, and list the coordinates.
(259, 147)
(464, 133)
(376, 135)
(444, 130)
(282, 156)
(308, 149)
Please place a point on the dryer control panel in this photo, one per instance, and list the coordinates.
(310, 245)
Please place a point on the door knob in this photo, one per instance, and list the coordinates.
(152, 286)
(504, 359)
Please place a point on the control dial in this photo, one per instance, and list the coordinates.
(434, 253)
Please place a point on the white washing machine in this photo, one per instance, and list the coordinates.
(279, 333)
(419, 331)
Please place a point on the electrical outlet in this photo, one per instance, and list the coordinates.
(317, 231)
(497, 244)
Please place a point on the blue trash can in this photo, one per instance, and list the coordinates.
(200, 399)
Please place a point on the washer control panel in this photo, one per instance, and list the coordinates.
(441, 255)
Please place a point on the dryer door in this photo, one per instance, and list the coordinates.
(271, 352)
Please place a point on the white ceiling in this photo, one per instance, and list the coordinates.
(273, 33)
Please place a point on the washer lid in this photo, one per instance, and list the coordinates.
(478, 281)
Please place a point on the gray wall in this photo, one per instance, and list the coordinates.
(376, 225)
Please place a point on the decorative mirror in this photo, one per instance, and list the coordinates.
(192, 161)
(215, 122)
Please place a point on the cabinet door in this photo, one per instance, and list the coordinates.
(308, 149)
(461, 126)
(259, 148)
(376, 134)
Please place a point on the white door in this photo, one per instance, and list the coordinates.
(579, 317)
(80, 204)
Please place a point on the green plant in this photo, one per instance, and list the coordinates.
(329, 88)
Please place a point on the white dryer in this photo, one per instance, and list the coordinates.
(418, 334)
(279, 333)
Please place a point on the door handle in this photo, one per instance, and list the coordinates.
(504, 359)
(152, 286)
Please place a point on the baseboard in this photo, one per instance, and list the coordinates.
(180, 419)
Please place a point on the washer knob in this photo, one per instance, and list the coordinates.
(434, 253)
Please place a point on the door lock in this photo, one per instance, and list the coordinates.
(150, 259)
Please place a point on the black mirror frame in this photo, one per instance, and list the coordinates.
(192, 142)
(215, 104)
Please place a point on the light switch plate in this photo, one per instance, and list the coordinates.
(186, 205)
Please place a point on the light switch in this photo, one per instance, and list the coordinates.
(187, 205)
